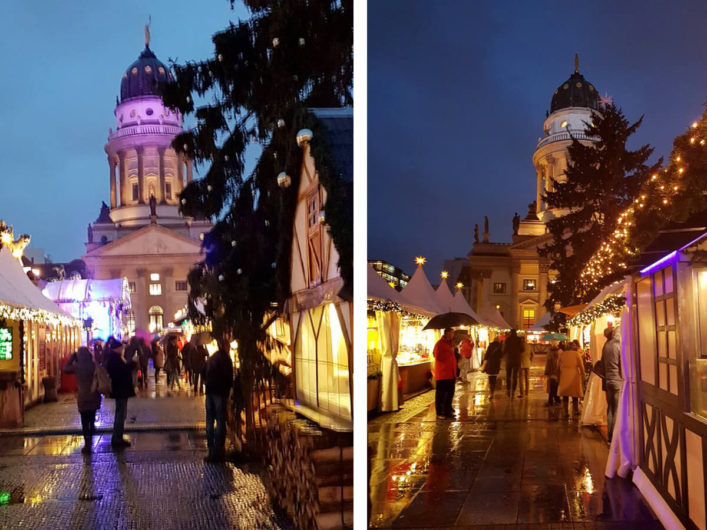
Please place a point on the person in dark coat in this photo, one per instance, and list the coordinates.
(199, 354)
(120, 372)
(171, 365)
(613, 375)
(144, 357)
(552, 372)
(219, 380)
(492, 358)
(512, 349)
(82, 365)
(186, 359)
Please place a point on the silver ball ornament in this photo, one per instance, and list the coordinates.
(233, 243)
(322, 217)
(280, 123)
(221, 277)
(220, 58)
(184, 201)
(284, 180)
(304, 136)
(301, 41)
(240, 271)
(208, 187)
(275, 42)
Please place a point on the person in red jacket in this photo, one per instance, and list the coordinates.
(465, 350)
(445, 374)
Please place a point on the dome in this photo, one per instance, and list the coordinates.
(142, 78)
(575, 92)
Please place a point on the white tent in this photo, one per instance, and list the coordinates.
(460, 305)
(378, 289)
(494, 318)
(17, 290)
(86, 290)
(444, 298)
(420, 293)
(539, 326)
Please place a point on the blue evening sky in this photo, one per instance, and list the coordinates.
(61, 64)
(457, 94)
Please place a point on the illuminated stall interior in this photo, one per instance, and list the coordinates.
(35, 335)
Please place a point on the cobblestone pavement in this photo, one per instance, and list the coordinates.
(159, 482)
(156, 407)
(501, 463)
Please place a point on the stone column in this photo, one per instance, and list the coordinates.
(123, 183)
(140, 174)
(189, 170)
(113, 195)
(539, 191)
(180, 174)
(542, 288)
(140, 300)
(161, 196)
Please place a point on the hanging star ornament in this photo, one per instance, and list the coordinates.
(605, 100)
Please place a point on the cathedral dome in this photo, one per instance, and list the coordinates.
(143, 77)
(575, 92)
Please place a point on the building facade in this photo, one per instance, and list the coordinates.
(512, 277)
(142, 236)
(393, 276)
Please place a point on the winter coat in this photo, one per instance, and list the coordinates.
(512, 349)
(571, 374)
(120, 372)
(552, 364)
(172, 362)
(159, 356)
(493, 358)
(466, 348)
(445, 361)
(82, 365)
(611, 357)
(219, 374)
(525, 356)
(199, 354)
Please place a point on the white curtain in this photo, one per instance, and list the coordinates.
(594, 406)
(623, 454)
(389, 333)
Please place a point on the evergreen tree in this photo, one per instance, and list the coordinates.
(601, 180)
(266, 71)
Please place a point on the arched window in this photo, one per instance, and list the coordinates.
(156, 319)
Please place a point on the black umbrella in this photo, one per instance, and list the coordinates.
(449, 320)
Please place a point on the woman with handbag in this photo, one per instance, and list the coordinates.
(88, 400)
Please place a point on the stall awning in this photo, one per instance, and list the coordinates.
(572, 310)
(67, 291)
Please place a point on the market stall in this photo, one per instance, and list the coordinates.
(34, 335)
(104, 305)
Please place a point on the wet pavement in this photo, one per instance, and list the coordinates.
(157, 407)
(501, 463)
(161, 481)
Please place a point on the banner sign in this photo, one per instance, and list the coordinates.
(5, 343)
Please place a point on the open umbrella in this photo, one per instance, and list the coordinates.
(555, 336)
(449, 320)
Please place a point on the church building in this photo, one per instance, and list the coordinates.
(512, 276)
(142, 236)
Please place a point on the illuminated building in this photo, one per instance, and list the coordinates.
(141, 236)
(393, 276)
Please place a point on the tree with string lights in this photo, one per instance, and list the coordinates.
(602, 179)
(266, 71)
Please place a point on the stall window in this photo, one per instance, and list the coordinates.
(180, 286)
(646, 330)
(131, 287)
(130, 322)
(499, 288)
(528, 318)
(321, 362)
(314, 239)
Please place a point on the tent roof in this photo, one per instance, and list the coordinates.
(17, 290)
(443, 297)
(494, 318)
(419, 292)
(543, 321)
(379, 289)
(85, 290)
(460, 305)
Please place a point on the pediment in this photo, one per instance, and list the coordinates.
(150, 240)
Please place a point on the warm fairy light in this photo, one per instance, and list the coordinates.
(677, 159)
(654, 177)
(420, 260)
(665, 201)
(692, 140)
(694, 125)
(392, 284)
(675, 188)
(681, 170)
(444, 275)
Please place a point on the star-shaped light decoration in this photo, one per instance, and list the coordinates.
(605, 100)
(459, 285)
(420, 260)
(444, 275)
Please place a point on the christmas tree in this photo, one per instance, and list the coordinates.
(602, 179)
(290, 55)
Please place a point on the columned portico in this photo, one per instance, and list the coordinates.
(113, 192)
(162, 193)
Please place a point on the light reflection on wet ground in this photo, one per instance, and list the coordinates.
(501, 461)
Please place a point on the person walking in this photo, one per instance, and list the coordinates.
(219, 380)
(83, 366)
(445, 374)
(571, 377)
(492, 358)
(157, 359)
(186, 360)
(512, 348)
(131, 353)
(143, 353)
(171, 364)
(552, 372)
(199, 355)
(465, 350)
(613, 376)
(120, 372)
(526, 356)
